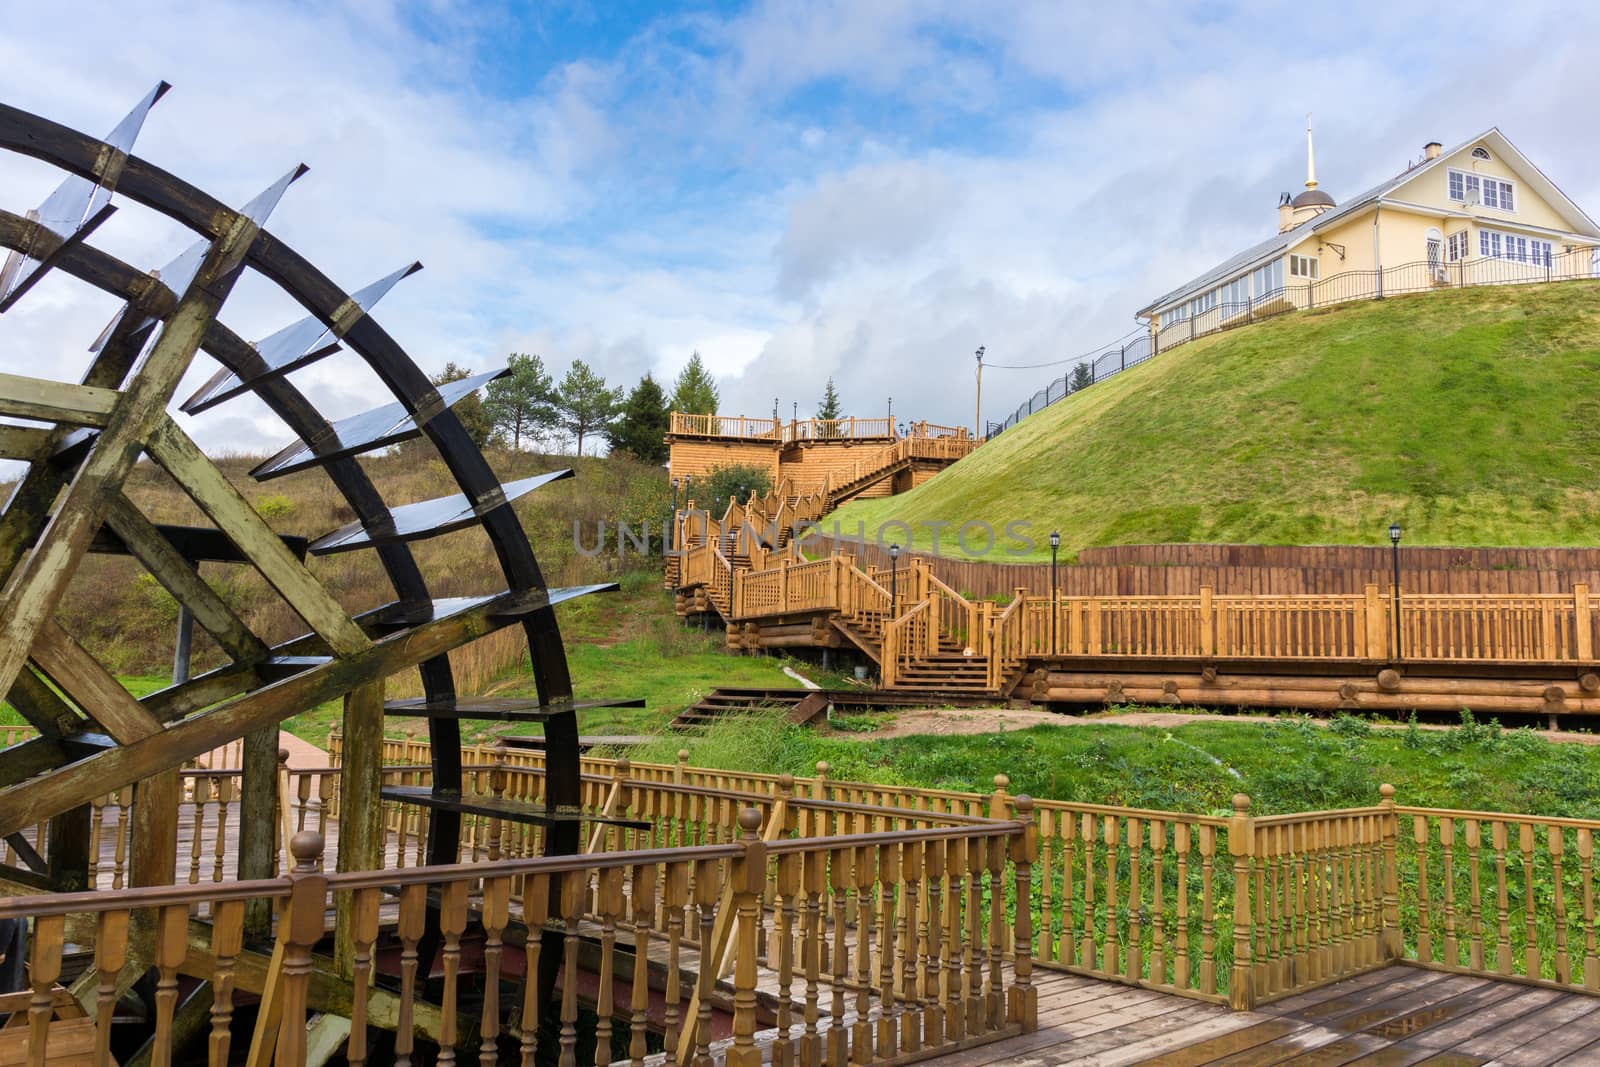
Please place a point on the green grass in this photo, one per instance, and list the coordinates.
(1289, 764)
(1469, 416)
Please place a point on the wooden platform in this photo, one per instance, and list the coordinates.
(1395, 1016)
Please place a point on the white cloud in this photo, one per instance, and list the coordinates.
(801, 189)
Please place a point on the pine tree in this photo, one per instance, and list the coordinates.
(695, 391)
(469, 409)
(585, 403)
(829, 408)
(1082, 377)
(523, 403)
(641, 426)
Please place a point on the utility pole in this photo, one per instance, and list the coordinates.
(977, 415)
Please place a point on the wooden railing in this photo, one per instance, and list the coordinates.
(1551, 628)
(880, 933)
(1247, 908)
(737, 426)
(846, 429)
(911, 637)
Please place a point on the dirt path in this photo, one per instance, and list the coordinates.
(915, 722)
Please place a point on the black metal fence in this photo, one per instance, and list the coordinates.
(1344, 287)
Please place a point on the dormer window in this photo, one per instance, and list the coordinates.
(1480, 153)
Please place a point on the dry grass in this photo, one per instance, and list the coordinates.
(128, 620)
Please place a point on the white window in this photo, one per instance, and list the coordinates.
(1266, 280)
(1515, 247)
(1493, 192)
(1457, 246)
(1480, 153)
(1302, 267)
(1235, 296)
(1203, 303)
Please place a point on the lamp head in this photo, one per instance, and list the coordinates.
(1394, 533)
(1055, 539)
(894, 551)
(980, 353)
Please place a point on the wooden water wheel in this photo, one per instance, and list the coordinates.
(81, 440)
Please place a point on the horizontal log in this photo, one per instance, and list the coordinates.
(1314, 700)
(1310, 683)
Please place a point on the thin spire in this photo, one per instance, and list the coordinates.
(1311, 163)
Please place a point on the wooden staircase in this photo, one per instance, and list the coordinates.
(803, 705)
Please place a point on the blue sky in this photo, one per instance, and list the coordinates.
(863, 189)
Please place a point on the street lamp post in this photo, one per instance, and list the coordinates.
(1055, 604)
(894, 574)
(891, 411)
(1394, 541)
(977, 414)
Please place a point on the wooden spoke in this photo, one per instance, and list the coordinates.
(217, 497)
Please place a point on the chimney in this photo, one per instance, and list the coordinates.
(1431, 150)
(1285, 213)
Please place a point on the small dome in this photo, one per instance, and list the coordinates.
(1312, 198)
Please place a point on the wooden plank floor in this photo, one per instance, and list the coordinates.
(1393, 1017)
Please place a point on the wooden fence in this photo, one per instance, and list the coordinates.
(1260, 570)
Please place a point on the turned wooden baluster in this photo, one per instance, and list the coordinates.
(535, 914)
(1555, 841)
(994, 991)
(933, 1018)
(574, 895)
(219, 852)
(413, 908)
(1532, 958)
(495, 908)
(227, 937)
(642, 898)
(1502, 900)
(1045, 950)
(1447, 841)
(452, 924)
(1182, 961)
(110, 956)
(1133, 959)
(124, 798)
(908, 964)
(1088, 951)
(171, 946)
(839, 879)
(707, 892)
(815, 879)
(610, 903)
(955, 867)
(364, 920)
(889, 876)
(1158, 904)
(1022, 1000)
(1419, 835)
(199, 802)
(749, 881)
(1591, 961)
(675, 899)
(973, 957)
(1208, 911)
(44, 968)
(1067, 952)
(97, 818)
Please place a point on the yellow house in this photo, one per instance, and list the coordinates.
(1478, 214)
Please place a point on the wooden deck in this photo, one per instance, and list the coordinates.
(1393, 1017)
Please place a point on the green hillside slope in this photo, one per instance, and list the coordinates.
(1470, 416)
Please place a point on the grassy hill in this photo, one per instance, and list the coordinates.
(1470, 416)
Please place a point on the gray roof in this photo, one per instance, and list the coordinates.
(1229, 268)
(1278, 242)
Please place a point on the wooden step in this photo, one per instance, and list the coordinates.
(500, 808)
